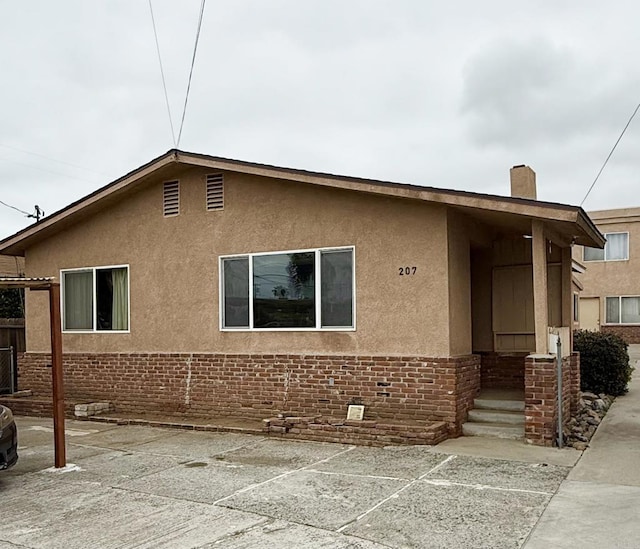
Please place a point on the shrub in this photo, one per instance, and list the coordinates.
(11, 303)
(604, 362)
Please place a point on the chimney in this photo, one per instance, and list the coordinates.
(523, 182)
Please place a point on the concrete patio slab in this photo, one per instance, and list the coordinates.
(502, 474)
(401, 462)
(516, 450)
(451, 516)
(316, 499)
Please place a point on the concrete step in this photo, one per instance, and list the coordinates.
(496, 416)
(508, 405)
(499, 430)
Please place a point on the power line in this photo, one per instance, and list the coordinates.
(50, 159)
(45, 171)
(14, 208)
(610, 154)
(193, 61)
(164, 83)
(39, 212)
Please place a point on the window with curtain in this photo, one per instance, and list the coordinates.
(623, 310)
(96, 299)
(615, 249)
(306, 289)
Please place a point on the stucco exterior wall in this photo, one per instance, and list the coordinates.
(613, 278)
(459, 260)
(174, 267)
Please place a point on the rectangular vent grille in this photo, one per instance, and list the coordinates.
(215, 192)
(171, 198)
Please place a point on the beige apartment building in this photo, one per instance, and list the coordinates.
(610, 297)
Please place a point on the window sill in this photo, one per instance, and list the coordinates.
(288, 329)
(96, 331)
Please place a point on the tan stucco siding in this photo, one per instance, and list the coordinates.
(459, 285)
(174, 266)
(612, 278)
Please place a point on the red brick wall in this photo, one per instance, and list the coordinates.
(503, 371)
(631, 334)
(258, 386)
(540, 396)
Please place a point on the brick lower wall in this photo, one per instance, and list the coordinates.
(503, 371)
(631, 334)
(260, 386)
(541, 404)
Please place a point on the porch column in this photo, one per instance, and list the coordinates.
(540, 295)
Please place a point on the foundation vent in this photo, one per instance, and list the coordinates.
(171, 198)
(215, 192)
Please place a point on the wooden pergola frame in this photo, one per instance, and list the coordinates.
(53, 287)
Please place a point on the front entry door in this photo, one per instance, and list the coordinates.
(590, 313)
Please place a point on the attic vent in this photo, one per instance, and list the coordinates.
(215, 192)
(171, 198)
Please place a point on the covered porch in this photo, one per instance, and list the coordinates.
(521, 304)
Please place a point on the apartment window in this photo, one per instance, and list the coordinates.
(95, 299)
(615, 249)
(576, 307)
(623, 310)
(298, 290)
(171, 198)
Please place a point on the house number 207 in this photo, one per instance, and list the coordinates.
(407, 271)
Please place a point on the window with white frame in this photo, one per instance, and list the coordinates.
(297, 290)
(623, 310)
(576, 307)
(615, 249)
(95, 299)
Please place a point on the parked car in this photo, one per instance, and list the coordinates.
(8, 439)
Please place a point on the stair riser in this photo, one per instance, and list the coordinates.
(495, 404)
(475, 429)
(490, 416)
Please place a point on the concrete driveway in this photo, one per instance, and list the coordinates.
(135, 486)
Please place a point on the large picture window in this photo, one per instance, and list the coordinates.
(615, 249)
(623, 310)
(298, 290)
(95, 299)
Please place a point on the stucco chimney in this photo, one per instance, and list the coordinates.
(523, 182)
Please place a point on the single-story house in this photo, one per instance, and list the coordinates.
(207, 286)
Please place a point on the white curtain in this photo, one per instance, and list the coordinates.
(616, 247)
(78, 300)
(120, 310)
(630, 310)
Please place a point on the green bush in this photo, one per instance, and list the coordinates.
(11, 303)
(604, 362)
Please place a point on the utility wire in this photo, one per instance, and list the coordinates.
(193, 61)
(14, 208)
(44, 170)
(50, 159)
(610, 154)
(164, 83)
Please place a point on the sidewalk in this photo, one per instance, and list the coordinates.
(598, 504)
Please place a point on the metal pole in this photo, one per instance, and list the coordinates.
(559, 375)
(12, 377)
(57, 378)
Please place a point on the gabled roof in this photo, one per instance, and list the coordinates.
(572, 218)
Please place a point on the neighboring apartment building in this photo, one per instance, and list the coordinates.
(610, 298)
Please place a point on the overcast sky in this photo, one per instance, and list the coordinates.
(445, 94)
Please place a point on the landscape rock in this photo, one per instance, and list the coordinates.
(581, 427)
